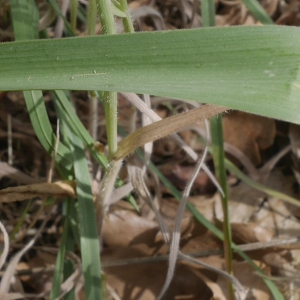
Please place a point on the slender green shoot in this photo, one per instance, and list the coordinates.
(258, 11)
(208, 17)
(127, 22)
(69, 210)
(273, 193)
(76, 125)
(68, 27)
(91, 17)
(90, 251)
(219, 157)
(59, 265)
(110, 98)
(74, 9)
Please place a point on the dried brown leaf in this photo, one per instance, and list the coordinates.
(55, 189)
(165, 127)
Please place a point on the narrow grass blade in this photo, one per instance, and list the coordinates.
(74, 9)
(68, 27)
(218, 153)
(25, 17)
(69, 265)
(59, 265)
(208, 13)
(41, 124)
(90, 250)
(217, 144)
(73, 121)
(254, 69)
(273, 193)
(258, 11)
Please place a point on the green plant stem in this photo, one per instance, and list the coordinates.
(106, 16)
(208, 13)
(208, 19)
(219, 158)
(93, 98)
(74, 7)
(110, 105)
(127, 22)
(109, 98)
(91, 19)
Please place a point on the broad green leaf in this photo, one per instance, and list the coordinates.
(254, 69)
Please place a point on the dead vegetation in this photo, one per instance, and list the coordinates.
(134, 255)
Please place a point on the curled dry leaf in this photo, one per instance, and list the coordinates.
(165, 127)
(55, 189)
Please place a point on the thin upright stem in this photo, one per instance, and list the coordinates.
(110, 98)
(127, 22)
(208, 20)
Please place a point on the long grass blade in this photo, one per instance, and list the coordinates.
(231, 67)
(90, 250)
(41, 124)
(73, 121)
(59, 265)
(56, 8)
(258, 11)
(25, 17)
(217, 145)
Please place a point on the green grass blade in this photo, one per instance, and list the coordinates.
(25, 17)
(105, 11)
(56, 8)
(258, 12)
(217, 144)
(90, 250)
(74, 9)
(273, 193)
(59, 265)
(69, 265)
(41, 124)
(208, 13)
(73, 121)
(254, 69)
